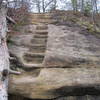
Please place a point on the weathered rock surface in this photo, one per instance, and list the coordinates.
(65, 47)
(70, 47)
(30, 48)
(55, 61)
(56, 82)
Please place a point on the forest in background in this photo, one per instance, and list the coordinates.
(82, 12)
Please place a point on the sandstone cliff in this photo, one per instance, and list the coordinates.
(55, 61)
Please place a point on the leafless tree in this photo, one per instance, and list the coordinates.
(43, 5)
(38, 5)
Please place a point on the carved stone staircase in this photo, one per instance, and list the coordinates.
(42, 18)
(37, 50)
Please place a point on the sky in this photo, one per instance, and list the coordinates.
(61, 5)
(64, 6)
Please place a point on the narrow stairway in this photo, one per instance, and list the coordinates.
(37, 50)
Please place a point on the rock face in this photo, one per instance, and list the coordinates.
(56, 82)
(71, 47)
(55, 61)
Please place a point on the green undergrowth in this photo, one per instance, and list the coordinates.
(92, 28)
(80, 20)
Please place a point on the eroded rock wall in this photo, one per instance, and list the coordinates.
(55, 61)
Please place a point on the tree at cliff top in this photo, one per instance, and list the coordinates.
(4, 56)
(44, 5)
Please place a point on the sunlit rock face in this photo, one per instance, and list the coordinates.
(56, 46)
(72, 47)
(55, 61)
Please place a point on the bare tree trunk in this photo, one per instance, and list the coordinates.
(74, 5)
(1, 2)
(96, 8)
(82, 6)
(43, 6)
(93, 13)
(55, 4)
(4, 56)
(38, 6)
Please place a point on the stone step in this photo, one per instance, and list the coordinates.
(39, 41)
(42, 27)
(44, 21)
(37, 45)
(42, 16)
(40, 36)
(34, 57)
(37, 49)
(57, 82)
(41, 32)
(31, 65)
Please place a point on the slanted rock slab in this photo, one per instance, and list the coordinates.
(55, 82)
